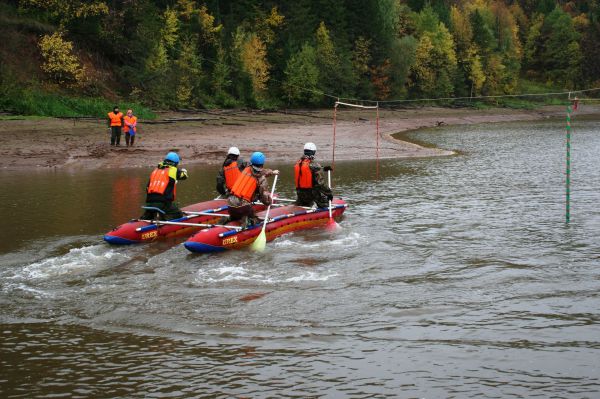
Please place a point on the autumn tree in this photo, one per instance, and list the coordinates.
(470, 76)
(60, 64)
(361, 60)
(327, 59)
(64, 11)
(435, 61)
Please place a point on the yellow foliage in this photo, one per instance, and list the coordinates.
(581, 22)
(157, 61)
(59, 61)
(425, 76)
(207, 22)
(274, 20)
(361, 55)
(184, 90)
(325, 49)
(266, 25)
(170, 28)
(67, 9)
(186, 8)
(475, 69)
(254, 58)
(460, 27)
(494, 75)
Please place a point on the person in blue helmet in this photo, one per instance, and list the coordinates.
(162, 189)
(249, 187)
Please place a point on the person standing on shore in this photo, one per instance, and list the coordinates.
(162, 189)
(249, 187)
(310, 180)
(115, 123)
(130, 127)
(231, 170)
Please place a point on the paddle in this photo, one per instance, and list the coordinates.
(261, 241)
(331, 224)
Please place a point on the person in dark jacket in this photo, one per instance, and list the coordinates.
(310, 180)
(161, 189)
(231, 170)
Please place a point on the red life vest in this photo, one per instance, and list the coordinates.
(115, 119)
(159, 180)
(245, 186)
(303, 174)
(131, 120)
(231, 173)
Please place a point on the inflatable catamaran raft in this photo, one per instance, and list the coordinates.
(197, 216)
(202, 219)
(282, 220)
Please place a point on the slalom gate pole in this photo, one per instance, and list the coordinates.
(570, 110)
(377, 132)
(568, 174)
(334, 123)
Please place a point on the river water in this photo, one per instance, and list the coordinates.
(450, 277)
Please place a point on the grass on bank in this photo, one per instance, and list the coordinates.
(38, 103)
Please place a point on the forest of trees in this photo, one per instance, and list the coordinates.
(299, 53)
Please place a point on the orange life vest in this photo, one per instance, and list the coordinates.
(303, 174)
(245, 186)
(115, 119)
(131, 120)
(232, 173)
(159, 180)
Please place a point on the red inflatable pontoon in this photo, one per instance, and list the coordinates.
(282, 220)
(136, 231)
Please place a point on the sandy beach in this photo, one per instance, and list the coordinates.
(204, 137)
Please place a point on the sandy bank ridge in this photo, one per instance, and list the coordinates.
(205, 136)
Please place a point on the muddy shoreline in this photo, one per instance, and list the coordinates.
(203, 138)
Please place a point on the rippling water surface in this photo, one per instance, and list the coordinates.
(450, 277)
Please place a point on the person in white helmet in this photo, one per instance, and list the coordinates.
(311, 187)
(231, 170)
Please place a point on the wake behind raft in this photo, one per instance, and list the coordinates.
(282, 220)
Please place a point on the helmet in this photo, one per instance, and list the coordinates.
(310, 149)
(233, 151)
(173, 157)
(257, 159)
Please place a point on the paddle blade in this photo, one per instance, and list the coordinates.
(332, 225)
(260, 243)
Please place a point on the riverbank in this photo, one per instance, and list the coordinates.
(204, 137)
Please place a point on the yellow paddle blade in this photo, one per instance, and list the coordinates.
(260, 243)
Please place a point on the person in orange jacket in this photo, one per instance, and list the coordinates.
(231, 170)
(249, 187)
(161, 190)
(130, 127)
(310, 180)
(115, 123)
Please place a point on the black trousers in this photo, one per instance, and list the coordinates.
(129, 138)
(115, 135)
